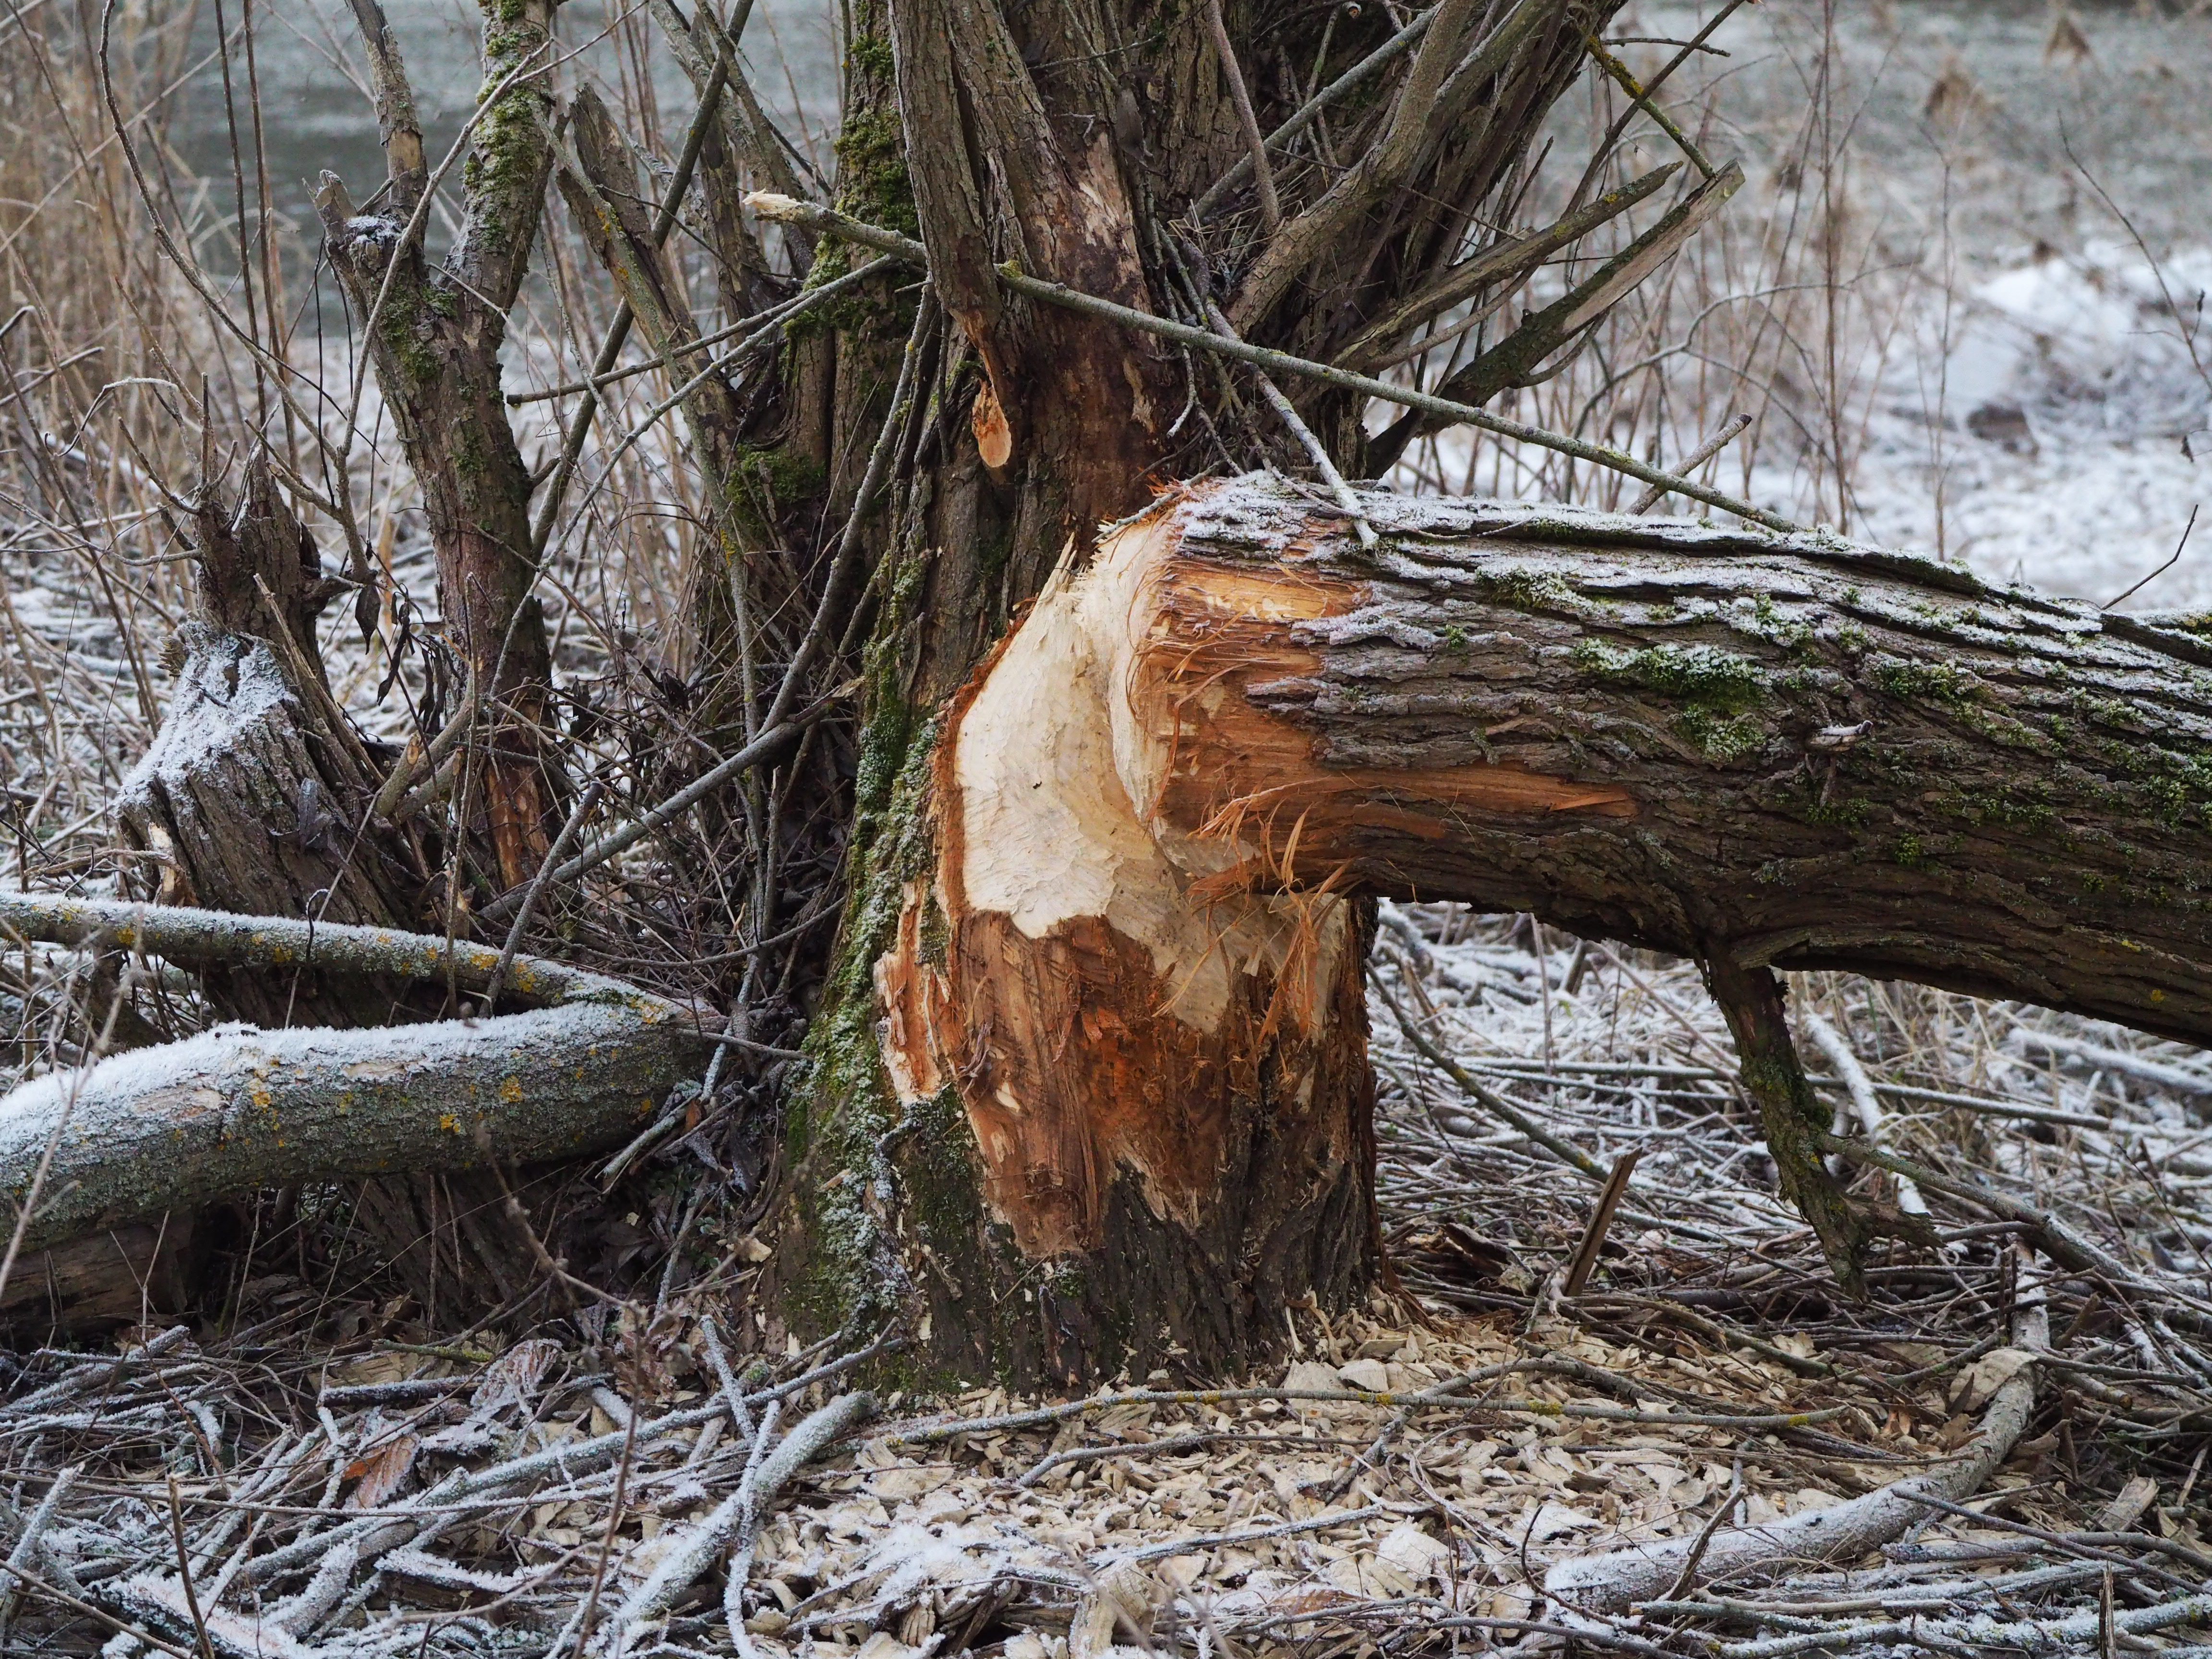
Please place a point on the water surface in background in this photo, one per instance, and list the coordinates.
(1975, 103)
(317, 114)
(1969, 97)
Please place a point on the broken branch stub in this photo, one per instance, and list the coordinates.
(237, 1108)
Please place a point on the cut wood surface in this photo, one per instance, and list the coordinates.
(1136, 960)
(1813, 754)
(237, 1108)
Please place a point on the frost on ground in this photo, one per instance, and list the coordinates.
(2049, 425)
(1409, 1475)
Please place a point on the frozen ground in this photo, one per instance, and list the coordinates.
(2049, 423)
(2020, 376)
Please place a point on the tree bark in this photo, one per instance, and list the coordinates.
(1117, 983)
(252, 794)
(434, 335)
(1091, 1088)
(1812, 755)
(165, 1129)
(1144, 1128)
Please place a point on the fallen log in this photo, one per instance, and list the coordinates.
(1131, 951)
(237, 1108)
(1122, 941)
(1817, 755)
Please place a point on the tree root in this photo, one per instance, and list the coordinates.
(1620, 1579)
(237, 1108)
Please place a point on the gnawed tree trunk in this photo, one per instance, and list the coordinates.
(1116, 980)
(1087, 1179)
(1094, 1091)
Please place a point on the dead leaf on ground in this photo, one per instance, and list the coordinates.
(382, 1472)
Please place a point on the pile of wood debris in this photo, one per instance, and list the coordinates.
(1666, 1433)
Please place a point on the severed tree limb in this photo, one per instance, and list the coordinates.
(1621, 1578)
(237, 1108)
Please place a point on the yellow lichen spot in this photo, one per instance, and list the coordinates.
(449, 1123)
(2157, 995)
(510, 1091)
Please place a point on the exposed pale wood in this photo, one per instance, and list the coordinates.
(1132, 959)
(1646, 730)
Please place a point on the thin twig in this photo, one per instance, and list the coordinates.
(830, 222)
(1271, 211)
(184, 1572)
(591, 799)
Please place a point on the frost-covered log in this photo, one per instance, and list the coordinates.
(1131, 957)
(237, 1108)
(1812, 754)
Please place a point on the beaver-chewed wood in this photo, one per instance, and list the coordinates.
(1818, 755)
(1134, 957)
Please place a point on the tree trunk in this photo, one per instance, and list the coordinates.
(1116, 984)
(434, 334)
(1091, 1088)
(1809, 755)
(144, 1135)
(1151, 1134)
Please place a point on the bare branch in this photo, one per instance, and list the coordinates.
(1388, 162)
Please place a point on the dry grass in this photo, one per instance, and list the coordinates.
(1888, 174)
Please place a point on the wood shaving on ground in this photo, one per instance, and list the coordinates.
(1450, 1468)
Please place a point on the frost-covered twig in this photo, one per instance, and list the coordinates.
(234, 1109)
(1860, 1088)
(1844, 1532)
(738, 1517)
